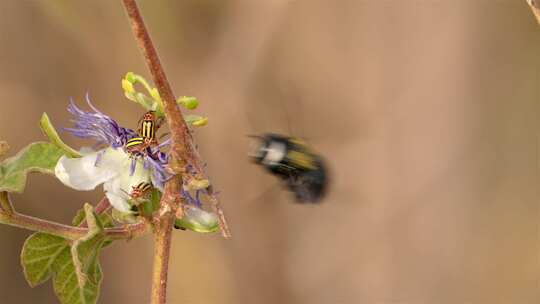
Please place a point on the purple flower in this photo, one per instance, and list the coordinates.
(120, 171)
(111, 166)
(98, 126)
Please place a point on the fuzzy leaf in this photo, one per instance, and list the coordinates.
(39, 253)
(105, 219)
(44, 256)
(37, 157)
(66, 282)
(84, 256)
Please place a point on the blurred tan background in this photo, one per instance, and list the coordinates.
(427, 113)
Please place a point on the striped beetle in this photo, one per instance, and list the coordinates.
(142, 190)
(148, 125)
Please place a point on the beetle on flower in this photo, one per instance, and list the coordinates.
(120, 171)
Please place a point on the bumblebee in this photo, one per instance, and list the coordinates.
(290, 159)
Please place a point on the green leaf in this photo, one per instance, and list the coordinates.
(45, 256)
(75, 269)
(53, 136)
(37, 157)
(39, 252)
(66, 282)
(104, 218)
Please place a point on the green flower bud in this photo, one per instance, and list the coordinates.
(131, 77)
(189, 102)
(127, 86)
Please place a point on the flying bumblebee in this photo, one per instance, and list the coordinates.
(290, 159)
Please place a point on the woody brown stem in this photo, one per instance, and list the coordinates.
(171, 200)
(182, 151)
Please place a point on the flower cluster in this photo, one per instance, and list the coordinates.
(109, 164)
(131, 165)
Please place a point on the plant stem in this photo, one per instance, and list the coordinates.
(176, 122)
(5, 203)
(182, 150)
(181, 153)
(179, 131)
(69, 232)
(35, 224)
(16, 219)
(161, 260)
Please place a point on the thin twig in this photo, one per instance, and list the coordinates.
(70, 232)
(16, 219)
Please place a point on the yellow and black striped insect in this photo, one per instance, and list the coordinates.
(137, 146)
(141, 190)
(148, 126)
(138, 194)
(297, 164)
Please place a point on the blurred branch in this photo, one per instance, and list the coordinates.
(9, 216)
(535, 7)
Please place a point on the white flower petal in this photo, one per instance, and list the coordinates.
(120, 187)
(119, 203)
(81, 173)
(200, 217)
(110, 167)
